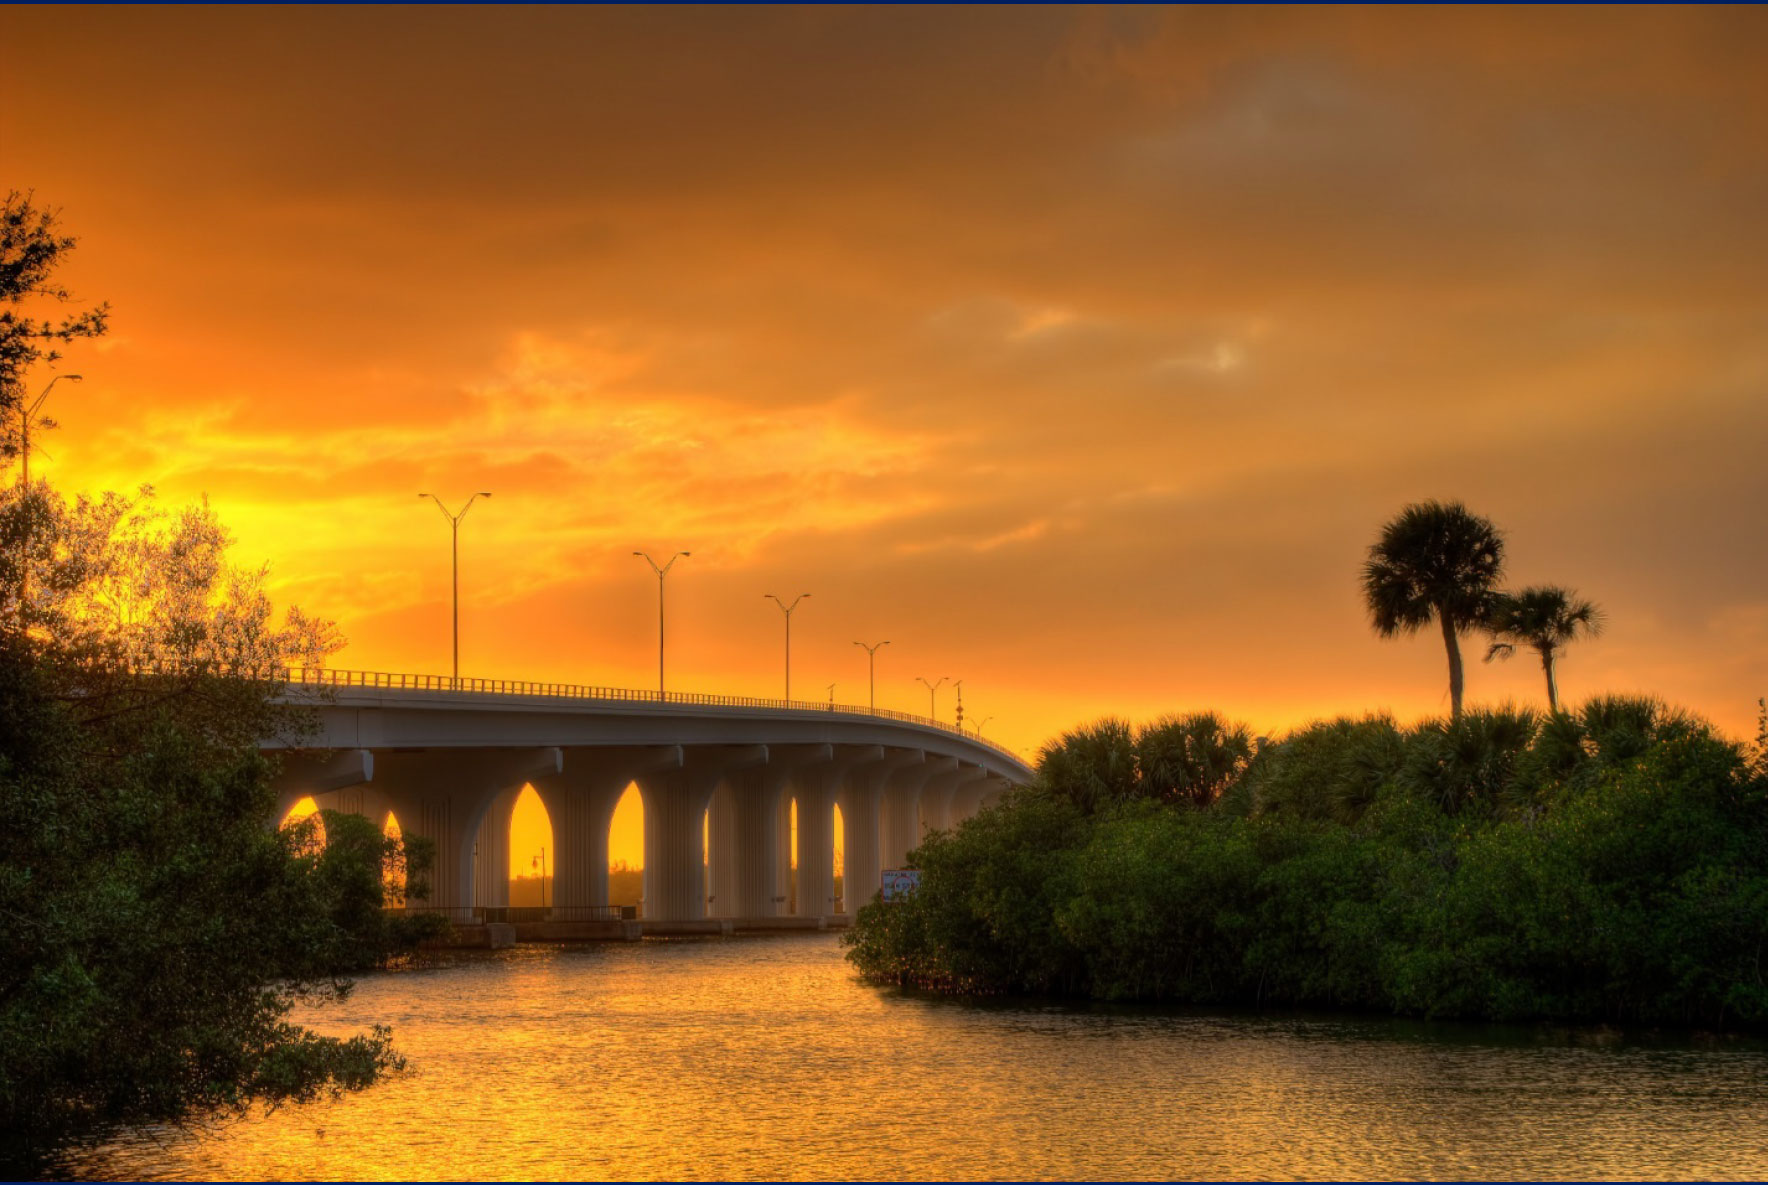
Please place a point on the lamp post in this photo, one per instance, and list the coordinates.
(959, 685)
(931, 688)
(872, 669)
(831, 696)
(788, 611)
(26, 415)
(978, 728)
(454, 520)
(662, 572)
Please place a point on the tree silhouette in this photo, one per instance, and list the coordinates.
(1434, 562)
(31, 249)
(1546, 619)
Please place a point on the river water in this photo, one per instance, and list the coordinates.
(764, 1058)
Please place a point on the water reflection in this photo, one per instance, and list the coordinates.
(762, 1058)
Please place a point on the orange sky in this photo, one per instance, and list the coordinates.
(1080, 353)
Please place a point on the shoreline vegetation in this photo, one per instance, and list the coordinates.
(158, 928)
(1606, 865)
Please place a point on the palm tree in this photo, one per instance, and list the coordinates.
(1434, 562)
(1546, 619)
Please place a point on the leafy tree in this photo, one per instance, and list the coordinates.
(156, 932)
(1471, 762)
(1190, 759)
(31, 248)
(1327, 771)
(1091, 767)
(1545, 619)
(1434, 562)
(1486, 877)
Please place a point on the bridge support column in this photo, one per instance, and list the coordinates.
(675, 808)
(859, 851)
(491, 851)
(445, 798)
(936, 799)
(816, 848)
(967, 800)
(902, 808)
(862, 805)
(756, 799)
(721, 853)
(311, 774)
(580, 799)
(365, 800)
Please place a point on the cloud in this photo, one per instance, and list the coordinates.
(1083, 350)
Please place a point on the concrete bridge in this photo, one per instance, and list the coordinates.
(448, 757)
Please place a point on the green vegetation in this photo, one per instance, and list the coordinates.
(1434, 562)
(1604, 864)
(1609, 865)
(157, 928)
(1546, 619)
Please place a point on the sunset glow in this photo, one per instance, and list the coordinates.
(1089, 384)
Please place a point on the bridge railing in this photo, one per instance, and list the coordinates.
(365, 679)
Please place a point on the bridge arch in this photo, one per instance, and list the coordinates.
(625, 835)
(449, 749)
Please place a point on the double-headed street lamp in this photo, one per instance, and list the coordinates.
(979, 725)
(872, 668)
(454, 520)
(788, 611)
(931, 688)
(662, 572)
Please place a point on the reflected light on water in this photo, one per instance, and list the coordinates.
(763, 1058)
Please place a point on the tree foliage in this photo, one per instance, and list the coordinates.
(157, 928)
(1545, 619)
(1436, 563)
(1605, 864)
(32, 329)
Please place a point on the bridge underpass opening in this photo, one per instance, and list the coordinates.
(393, 868)
(626, 850)
(840, 861)
(533, 858)
(299, 813)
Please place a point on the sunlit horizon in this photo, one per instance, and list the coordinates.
(1011, 387)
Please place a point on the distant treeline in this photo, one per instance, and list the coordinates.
(1604, 864)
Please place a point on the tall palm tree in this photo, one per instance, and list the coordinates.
(1546, 619)
(1434, 562)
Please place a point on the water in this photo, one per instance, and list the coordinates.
(763, 1058)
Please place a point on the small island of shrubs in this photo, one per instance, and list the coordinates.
(1604, 863)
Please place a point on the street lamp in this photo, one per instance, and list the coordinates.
(27, 414)
(661, 572)
(788, 611)
(931, 687)
(978, 728)
(454, 520)
(872, 669)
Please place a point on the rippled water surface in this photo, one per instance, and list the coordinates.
(763, 1058)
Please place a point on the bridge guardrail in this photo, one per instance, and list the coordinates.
(364, 679)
